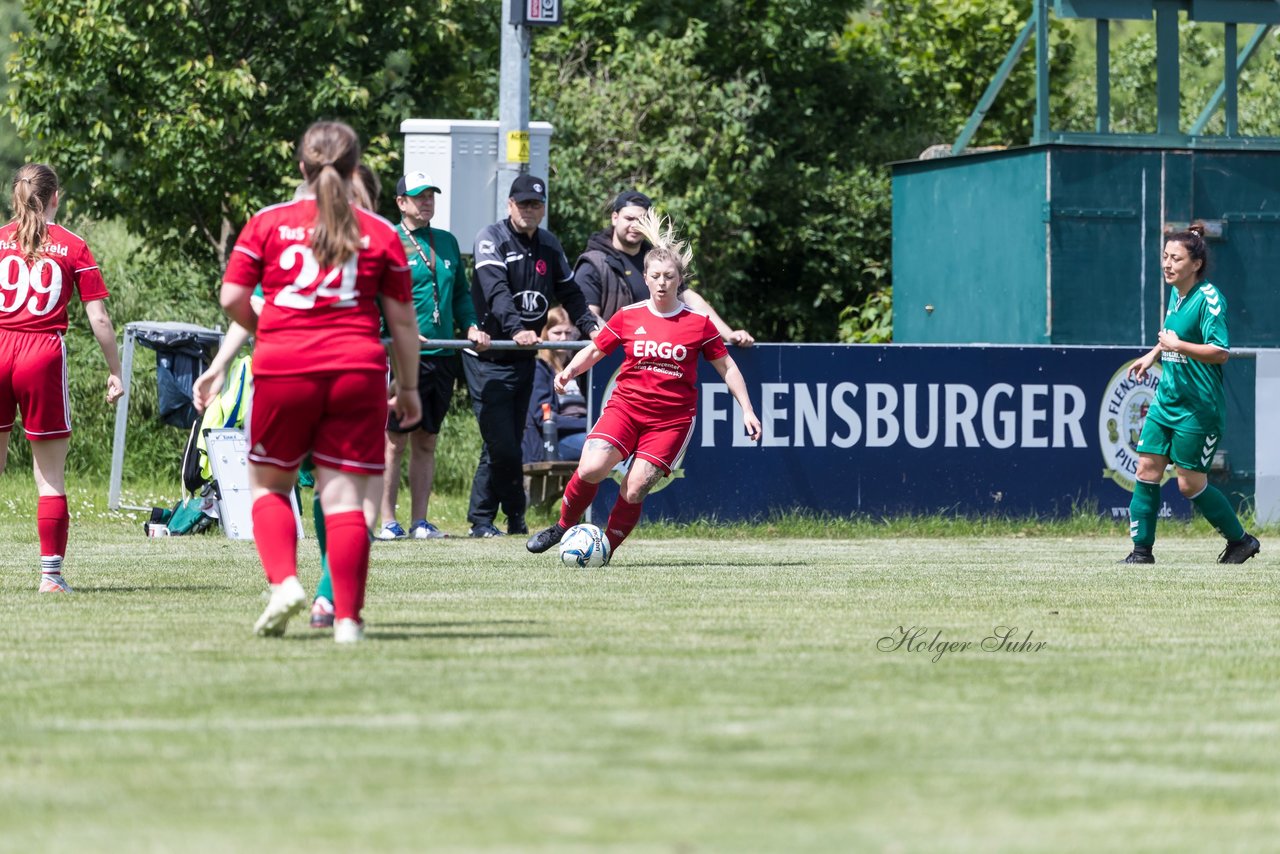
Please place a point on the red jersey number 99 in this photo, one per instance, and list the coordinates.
(21, 281)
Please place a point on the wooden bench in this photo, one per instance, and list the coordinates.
(545, 481)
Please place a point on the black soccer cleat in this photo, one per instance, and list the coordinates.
(1241, 550)
(545, 539)
(1140, 555)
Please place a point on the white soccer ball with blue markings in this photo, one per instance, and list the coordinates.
(584, 546)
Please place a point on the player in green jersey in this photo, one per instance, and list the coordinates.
(1185, 421)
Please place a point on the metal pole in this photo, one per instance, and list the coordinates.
(1103, 66)
(122, 418)
(1167, 71)
(1041, 132)
(464, 344)
(513, 104)
(1229, 76)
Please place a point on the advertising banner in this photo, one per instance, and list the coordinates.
(863, 429)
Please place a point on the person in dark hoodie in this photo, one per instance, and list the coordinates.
(610, 272)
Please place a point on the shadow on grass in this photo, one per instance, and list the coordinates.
(458, 624)
(425, 631)
(161, 588)
(737, 564)
(379, 635)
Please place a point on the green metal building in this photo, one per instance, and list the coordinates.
(1059, 242)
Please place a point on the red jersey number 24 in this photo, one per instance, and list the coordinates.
(338, 284)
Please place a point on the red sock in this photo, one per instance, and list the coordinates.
(622, 521)
(276, 535)
(578, 495)
(52, 522)
(348, 542)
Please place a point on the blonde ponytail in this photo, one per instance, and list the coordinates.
(666, 242)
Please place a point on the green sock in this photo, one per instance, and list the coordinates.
(1217, 509)
(325, 587)
(1142, 513)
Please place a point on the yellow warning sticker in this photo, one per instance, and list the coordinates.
(518, 146)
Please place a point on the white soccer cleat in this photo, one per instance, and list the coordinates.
(53, 582)
(348, 631)
(287, 599)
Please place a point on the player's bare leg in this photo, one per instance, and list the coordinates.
(639, 481)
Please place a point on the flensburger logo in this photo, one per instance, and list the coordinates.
(1120, 419)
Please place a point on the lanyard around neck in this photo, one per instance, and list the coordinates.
(431, 265)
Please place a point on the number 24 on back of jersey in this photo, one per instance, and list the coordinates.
(339, 283)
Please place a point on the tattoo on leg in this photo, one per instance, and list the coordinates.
(597, 445)
(650, 479)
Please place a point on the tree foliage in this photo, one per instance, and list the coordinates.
(943, 55)
(11, 151)
(628, 120)
(179, 116)
(744, 121)
(1201, 60)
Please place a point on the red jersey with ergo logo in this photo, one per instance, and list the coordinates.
(659, 374)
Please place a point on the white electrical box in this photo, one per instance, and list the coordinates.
(461, 158)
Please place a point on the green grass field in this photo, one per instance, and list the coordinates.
(696, 695)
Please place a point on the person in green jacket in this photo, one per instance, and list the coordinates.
(442, 298)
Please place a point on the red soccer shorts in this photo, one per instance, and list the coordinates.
(337, 418)
(661, 444)
(33, 380)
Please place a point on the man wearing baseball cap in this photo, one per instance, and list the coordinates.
(611, 270)
(442, 298)
(520, 269)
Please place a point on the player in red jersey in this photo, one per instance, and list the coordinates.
(41, 265)
(325, 266)
(650, 413)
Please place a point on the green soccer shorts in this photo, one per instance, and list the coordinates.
(1190, 451)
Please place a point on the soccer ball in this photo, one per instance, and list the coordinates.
(584, 546)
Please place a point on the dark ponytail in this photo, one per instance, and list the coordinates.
(1192, 238)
